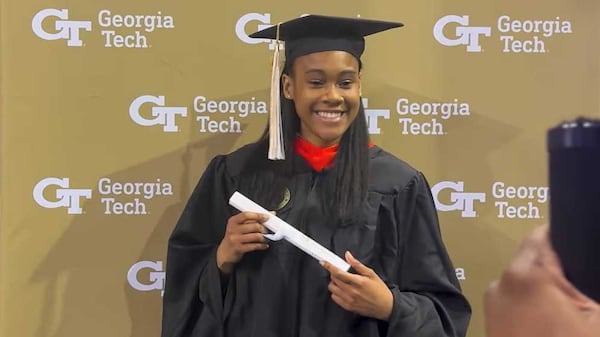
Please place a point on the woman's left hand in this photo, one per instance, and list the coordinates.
(363, 293)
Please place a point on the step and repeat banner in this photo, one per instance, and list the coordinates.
(111, 111)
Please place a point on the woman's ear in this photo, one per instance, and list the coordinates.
(288, 86)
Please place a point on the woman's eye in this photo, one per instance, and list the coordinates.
(345, 84)
(315, 83)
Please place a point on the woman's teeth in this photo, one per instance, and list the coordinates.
(329, 115)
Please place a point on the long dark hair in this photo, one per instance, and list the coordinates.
(345, 186)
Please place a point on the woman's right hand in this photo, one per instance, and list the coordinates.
(244, 233)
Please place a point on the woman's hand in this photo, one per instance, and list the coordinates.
(363, 293)
(244, 233)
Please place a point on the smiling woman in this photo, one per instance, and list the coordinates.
(316, 168)
(325, 89)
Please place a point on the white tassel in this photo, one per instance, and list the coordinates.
(276, 148)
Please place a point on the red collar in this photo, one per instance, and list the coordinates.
(318, 158)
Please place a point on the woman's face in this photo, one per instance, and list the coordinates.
(325, 88)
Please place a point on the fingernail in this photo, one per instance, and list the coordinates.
(322, 263)
(264, 217)
(349, 254)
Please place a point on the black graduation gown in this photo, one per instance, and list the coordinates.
(282, 291)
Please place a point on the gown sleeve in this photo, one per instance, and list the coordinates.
(193, 301)
(428, 301)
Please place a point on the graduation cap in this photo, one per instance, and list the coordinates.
(306, 35)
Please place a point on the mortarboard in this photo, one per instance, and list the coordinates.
(306, 35)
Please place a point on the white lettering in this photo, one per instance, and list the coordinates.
(501, 191)
(446, 109)
(373, 115)
(520, 212)
(156, 276)
(460, 200)
(65, 196)
(460, 274)
(212, 126)
(65, 29)
(147, 189)
(241, 108)
(113, 40)
(546, 27)
(465, 34)
(433, 128)
(533, 46)
(162, 115)
(148, 22)
(135, 207)
(240, 27)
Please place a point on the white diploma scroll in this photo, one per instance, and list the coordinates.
(283, 230)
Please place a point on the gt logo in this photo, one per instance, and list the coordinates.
(263, 21)
(240, 26)
(467, 36)
(163, 115)
(66, 197)
(156, 277)
(65, 29)
(373, 117)
(462, 201)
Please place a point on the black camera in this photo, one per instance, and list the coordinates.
(574, 172)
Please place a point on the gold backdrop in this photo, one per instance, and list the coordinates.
(112, 109)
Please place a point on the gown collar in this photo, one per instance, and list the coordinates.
(318, 158)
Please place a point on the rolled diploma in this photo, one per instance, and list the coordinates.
(282, 229)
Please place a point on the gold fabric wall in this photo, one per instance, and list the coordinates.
(110, 111)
